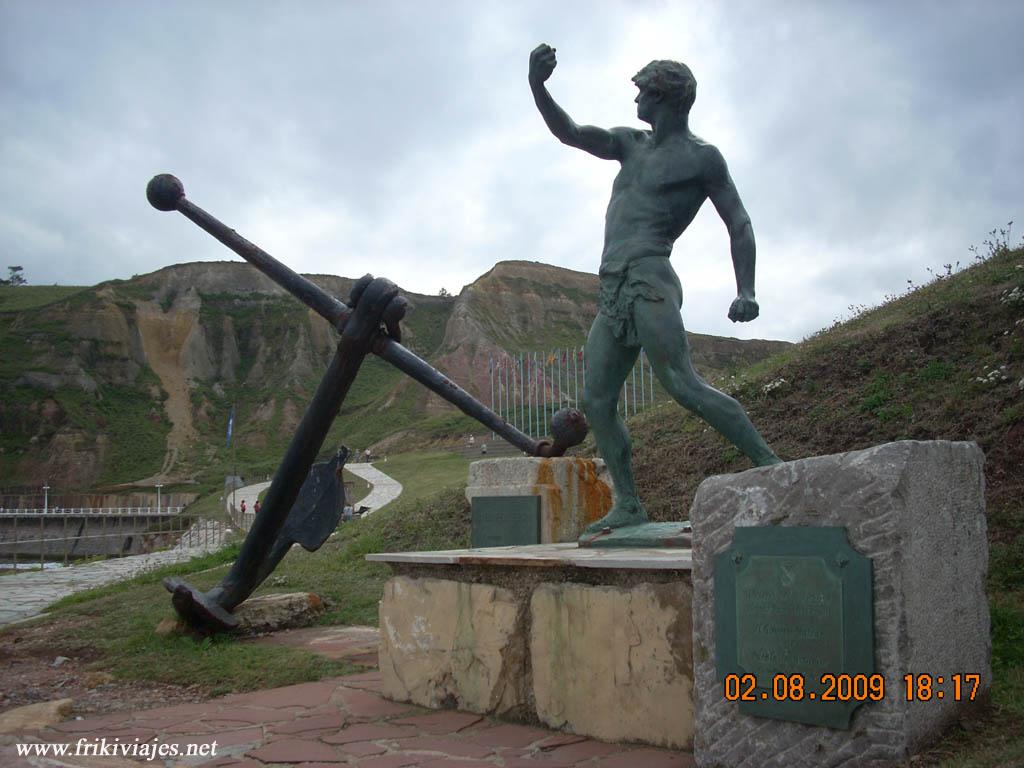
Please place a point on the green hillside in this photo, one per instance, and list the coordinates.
(269, 405)
(130, 382)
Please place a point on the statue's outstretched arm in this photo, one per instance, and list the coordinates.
(597, 141)
(726, 200)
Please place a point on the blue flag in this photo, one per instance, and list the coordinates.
(231, 424)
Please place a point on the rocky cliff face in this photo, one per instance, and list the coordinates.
(132, 381)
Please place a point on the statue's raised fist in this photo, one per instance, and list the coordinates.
(542, 63)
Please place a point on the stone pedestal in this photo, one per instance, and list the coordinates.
(594, 642)
(917, 510)
(573, 492)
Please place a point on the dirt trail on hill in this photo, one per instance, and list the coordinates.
(163, 341)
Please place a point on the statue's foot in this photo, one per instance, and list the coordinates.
(624, 512)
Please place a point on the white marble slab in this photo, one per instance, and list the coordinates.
(548, 556)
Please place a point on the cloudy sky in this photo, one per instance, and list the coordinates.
(869, 140)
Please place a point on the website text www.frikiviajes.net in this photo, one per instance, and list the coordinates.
(138, 749)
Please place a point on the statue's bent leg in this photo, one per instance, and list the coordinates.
(608, 364)
(663, 337)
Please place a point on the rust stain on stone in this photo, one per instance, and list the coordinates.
(595, 495)
(551, 496)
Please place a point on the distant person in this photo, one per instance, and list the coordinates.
(366, 455)
(256, 507)
(472, 441)
(243, 506)
(483, 448)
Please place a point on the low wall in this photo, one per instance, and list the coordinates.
(72, 536)
(594, 642)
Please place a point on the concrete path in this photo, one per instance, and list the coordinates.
(385, 489)
(343, 721)
(23, 595)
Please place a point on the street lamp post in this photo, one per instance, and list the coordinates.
(46, 498)
(158, 505)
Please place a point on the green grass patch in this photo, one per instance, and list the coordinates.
(117, 622)
(18, 298)
(198, 564)
(424, 473)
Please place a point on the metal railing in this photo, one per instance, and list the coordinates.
(130, 511)
(527, 388)
(243, 521)
(64, 535)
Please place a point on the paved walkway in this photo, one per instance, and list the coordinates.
(385, 489)
(338, 722)
(23, 595)
(248, 494)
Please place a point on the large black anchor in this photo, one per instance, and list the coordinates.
(368, 324)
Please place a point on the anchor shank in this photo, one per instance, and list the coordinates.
(166, 193)
(306, 291)
(427, 375)
(337, 313)
(245, 574)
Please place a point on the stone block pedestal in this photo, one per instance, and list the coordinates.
(916, 509)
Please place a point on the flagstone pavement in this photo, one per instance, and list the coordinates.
(337, 722)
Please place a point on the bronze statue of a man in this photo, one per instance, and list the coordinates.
(666, 175)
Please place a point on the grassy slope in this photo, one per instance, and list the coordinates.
(115, 624)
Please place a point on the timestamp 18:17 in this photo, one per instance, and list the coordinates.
(925, 687)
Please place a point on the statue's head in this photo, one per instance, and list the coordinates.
(673, 80)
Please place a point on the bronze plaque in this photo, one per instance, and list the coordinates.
(797, 603)
(788, 616)
(503, 521)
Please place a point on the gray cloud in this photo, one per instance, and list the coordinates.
(869, 140)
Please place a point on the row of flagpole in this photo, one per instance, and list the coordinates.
(528, 387)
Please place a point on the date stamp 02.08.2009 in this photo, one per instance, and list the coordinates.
(960, 686)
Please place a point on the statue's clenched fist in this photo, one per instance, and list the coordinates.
(542, 63)
(743, 310)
